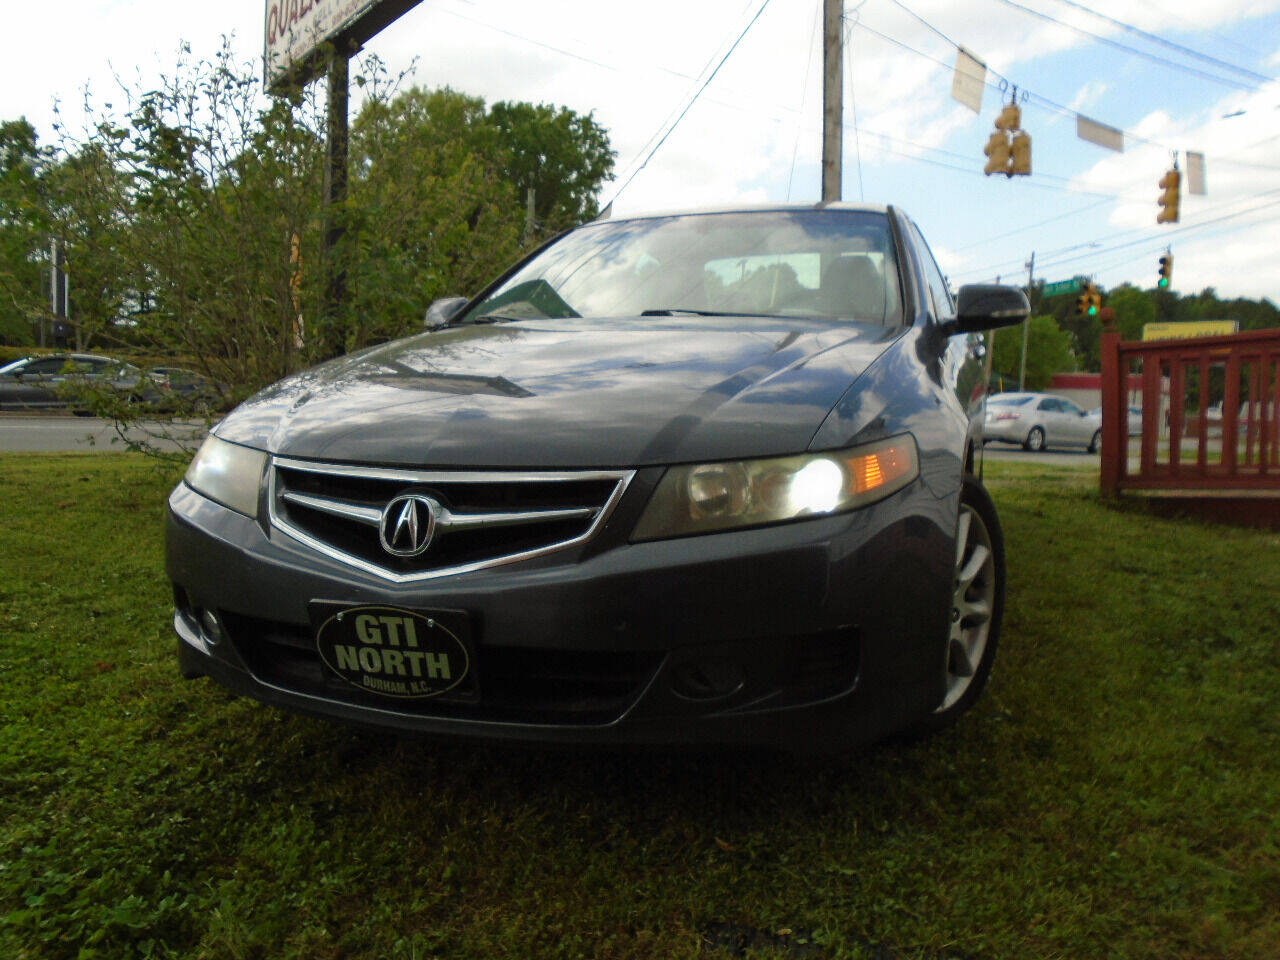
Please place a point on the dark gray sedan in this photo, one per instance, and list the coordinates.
(40, 382)
(694, 478)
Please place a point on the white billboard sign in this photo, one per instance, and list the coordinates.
(293, 29)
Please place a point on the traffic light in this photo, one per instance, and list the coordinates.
(1022, 153)
(1008, 149)
(1166, 271)
(999, 150)
(1169, 197)
(1089, 302)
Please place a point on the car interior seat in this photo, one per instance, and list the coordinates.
(852, 286)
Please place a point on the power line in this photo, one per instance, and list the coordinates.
(1050, 105)
(692, 101)
(1033, 226)
(1051, 258)
(1175, 231)
(1167, 43)
(1226, 81)
(804, 94)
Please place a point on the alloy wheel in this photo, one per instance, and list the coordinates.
(972, 602)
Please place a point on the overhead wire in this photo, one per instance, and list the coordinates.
(846, 40)
(692, 101)
(1050, 105)
(1134, 51)
(1053, 258)
(1156, 38)
(804, 93)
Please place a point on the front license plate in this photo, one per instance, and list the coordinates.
(394, 652)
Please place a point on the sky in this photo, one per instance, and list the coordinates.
(753, 135)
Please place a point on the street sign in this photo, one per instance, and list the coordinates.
(1186, 329)
(1062, 286)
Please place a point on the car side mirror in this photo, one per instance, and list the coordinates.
(986, 306)
(442, 311)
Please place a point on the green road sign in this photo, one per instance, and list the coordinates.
(1062, 286)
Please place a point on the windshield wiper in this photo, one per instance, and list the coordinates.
(496, 318)
(673, 311)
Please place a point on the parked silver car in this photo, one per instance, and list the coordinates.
(1040, 420)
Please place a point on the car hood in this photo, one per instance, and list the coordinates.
(567, 393)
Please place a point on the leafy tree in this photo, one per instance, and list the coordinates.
(23, 231)
(560, 156)
(430, 210)
(1048, 352)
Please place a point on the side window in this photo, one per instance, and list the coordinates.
(1048, 405)
(51, 365)
(942, 305)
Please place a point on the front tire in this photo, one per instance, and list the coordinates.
(1096, 442)
(977, 606)
(1035, 440)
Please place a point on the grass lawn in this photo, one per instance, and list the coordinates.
(1116, 793)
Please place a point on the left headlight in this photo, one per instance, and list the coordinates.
(708, 497)
(228, 473)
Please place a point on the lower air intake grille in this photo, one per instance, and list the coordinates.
(516, 685)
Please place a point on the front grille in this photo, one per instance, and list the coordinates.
(515, 685)
(483, 518)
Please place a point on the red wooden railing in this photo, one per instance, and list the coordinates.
(1183, 446)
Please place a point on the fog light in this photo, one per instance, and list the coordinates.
(706, 679)
(211, 626)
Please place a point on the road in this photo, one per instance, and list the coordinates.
(997, 452)
(54, 433)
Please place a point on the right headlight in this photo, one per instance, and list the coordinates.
(708, 497)
(228, 473)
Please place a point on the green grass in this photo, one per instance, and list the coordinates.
(1115, 794)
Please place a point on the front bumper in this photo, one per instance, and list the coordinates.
(813, 636)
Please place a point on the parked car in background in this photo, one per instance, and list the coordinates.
(1037, 421)
(1134, 415)
(42, 382)
(698, 478)
(179, 387)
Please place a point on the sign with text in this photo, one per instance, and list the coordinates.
(294, 31)
(1185, 329)
(1062, 286)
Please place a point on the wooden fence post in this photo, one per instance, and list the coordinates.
(1115, 415)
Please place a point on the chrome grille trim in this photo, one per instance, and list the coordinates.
(457, 521)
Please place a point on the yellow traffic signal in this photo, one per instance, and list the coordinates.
(1010, 118)
(998, 149)
(1166, 271)
(1021, 154)
(1009, 148)
(1089, 302)
(1169, 197)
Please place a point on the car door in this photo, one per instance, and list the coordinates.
(32, 385)
(1047, 416)
(1075, 424)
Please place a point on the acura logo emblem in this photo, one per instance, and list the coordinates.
(408, 523)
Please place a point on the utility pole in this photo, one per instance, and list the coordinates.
(832, 97)
(1026, 324)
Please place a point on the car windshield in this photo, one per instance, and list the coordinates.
(832, 264)
(999, 401)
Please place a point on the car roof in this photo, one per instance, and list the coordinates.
(752, 208)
